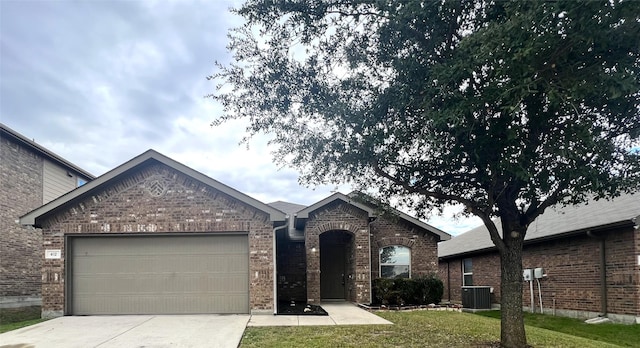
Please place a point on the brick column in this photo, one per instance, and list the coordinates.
(362, 267)
(312, 244)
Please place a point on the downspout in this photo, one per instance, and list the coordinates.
(275, 268)
(370, 270)
(603, 274)
(449, 281)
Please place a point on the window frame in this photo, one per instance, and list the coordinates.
(467, 272)
(381, 264)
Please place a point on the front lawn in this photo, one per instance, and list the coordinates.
(15, 318)
(622, 335)
(411, 329)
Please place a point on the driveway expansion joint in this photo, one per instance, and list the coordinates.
(123, 332)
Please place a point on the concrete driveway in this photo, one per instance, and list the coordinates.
(131, 331)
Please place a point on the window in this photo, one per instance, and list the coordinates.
(80, 182)
(467, 272)
(395, 262)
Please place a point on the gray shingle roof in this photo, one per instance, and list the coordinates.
(555, 222)
(290, 208)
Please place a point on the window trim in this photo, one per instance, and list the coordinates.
(380, 264)
(467, 274)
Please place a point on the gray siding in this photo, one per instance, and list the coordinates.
(56, 181)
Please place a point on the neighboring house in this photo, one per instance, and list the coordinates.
(30, 176)
(154, 236)
(590, 255)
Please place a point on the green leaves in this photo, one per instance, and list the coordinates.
(481, 103)
(507, 107)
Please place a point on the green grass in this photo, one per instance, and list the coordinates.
(622, 335)
(4, 327)
(15, 318)
(411, 329)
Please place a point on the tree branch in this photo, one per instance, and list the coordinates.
(470, 205)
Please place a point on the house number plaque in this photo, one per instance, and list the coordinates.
(52, 254)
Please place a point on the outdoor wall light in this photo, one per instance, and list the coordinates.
(313, 250)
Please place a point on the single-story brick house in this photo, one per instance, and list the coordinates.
(589, 253)
(30, 176)
(155, 236)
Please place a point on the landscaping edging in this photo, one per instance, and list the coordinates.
(431, 307)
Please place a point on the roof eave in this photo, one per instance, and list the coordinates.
(443, 235)
(32, 217)
(44, 151)
(596, 229)
(302, 216)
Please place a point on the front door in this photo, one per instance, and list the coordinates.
(332, 269)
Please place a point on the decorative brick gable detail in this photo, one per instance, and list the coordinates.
(157, 199)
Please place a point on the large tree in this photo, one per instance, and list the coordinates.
(505, 107)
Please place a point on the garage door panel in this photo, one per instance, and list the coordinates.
(182, 304)
(154, 285)
(173, 263)
(160, 274)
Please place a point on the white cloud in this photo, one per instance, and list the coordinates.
(101, 82)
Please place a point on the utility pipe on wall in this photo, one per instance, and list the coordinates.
(533, 302)
(540, 296)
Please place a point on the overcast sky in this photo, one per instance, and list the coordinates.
(100, 82)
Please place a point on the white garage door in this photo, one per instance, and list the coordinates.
(159, 274)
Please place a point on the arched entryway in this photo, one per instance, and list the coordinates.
(336, 265)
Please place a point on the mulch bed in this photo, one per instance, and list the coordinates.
(299, 308)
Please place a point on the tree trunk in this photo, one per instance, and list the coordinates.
(512, 334)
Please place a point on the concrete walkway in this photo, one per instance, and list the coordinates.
(170, 330)
(130, 331)
(340, 313)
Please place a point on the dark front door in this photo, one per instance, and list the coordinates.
(332, 269)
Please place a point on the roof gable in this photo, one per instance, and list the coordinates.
(397, 213)
(33, 217)
(304, 213)
(554, 223)
(369, 208)
(6, 131)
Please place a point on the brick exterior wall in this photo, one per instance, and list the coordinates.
(351, 220)
(423, 245)
(486, 270)
(292, 276)
(154, 198)
(622, 251)
(20, 247)
(573, 273)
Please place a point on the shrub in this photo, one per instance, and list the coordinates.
(382, 290)
(402, 291)
(431, 289)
